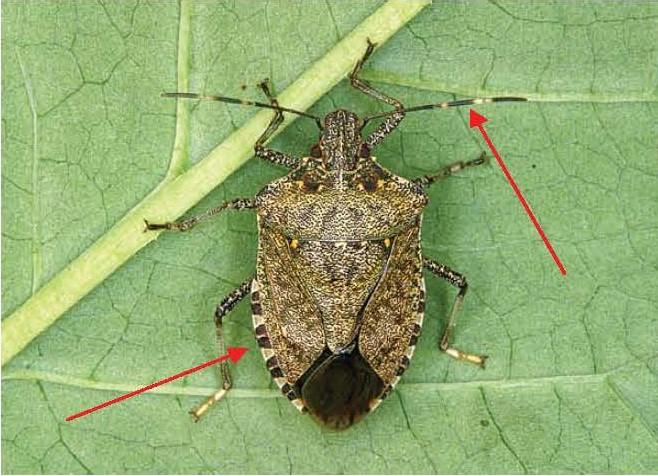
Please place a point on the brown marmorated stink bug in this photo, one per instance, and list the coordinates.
(338, 297)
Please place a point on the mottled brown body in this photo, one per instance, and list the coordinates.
(339, 286)
(338, 297)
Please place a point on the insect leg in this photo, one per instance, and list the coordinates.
(427, 180)
(392, 120)
(224, 307)
(184, 225)
(274, 156)
(458, 281)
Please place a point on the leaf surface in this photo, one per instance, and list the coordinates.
(571, 382)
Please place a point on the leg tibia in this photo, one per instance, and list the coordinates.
(274, 156)
(390, 122)
(187, 224)
(456, 167)
(228, 303)
(458, 281)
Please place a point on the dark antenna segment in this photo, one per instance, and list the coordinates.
(445, 105)
(241, 102)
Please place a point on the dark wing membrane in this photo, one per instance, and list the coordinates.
(292, 320)
(395, 308)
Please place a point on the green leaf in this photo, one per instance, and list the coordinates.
(573, 371)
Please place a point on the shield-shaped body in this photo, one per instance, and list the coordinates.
(338, 297)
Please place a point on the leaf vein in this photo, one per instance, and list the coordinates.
(626, 404)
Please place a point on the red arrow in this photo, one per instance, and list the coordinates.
(233, 353)
(476, 120)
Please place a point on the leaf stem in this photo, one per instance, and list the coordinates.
(178, 194)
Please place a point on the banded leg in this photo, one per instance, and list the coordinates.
(274, 156)
(224, 307)
(392, 120)
(458, 281)
(184, 225)
(427, 180)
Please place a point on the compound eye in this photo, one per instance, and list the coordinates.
(364, 152)
(316, 152)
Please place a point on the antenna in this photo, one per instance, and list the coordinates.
(445, 105)
(242, 103)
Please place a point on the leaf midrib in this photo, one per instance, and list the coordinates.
(437, 86)
(72, 381)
